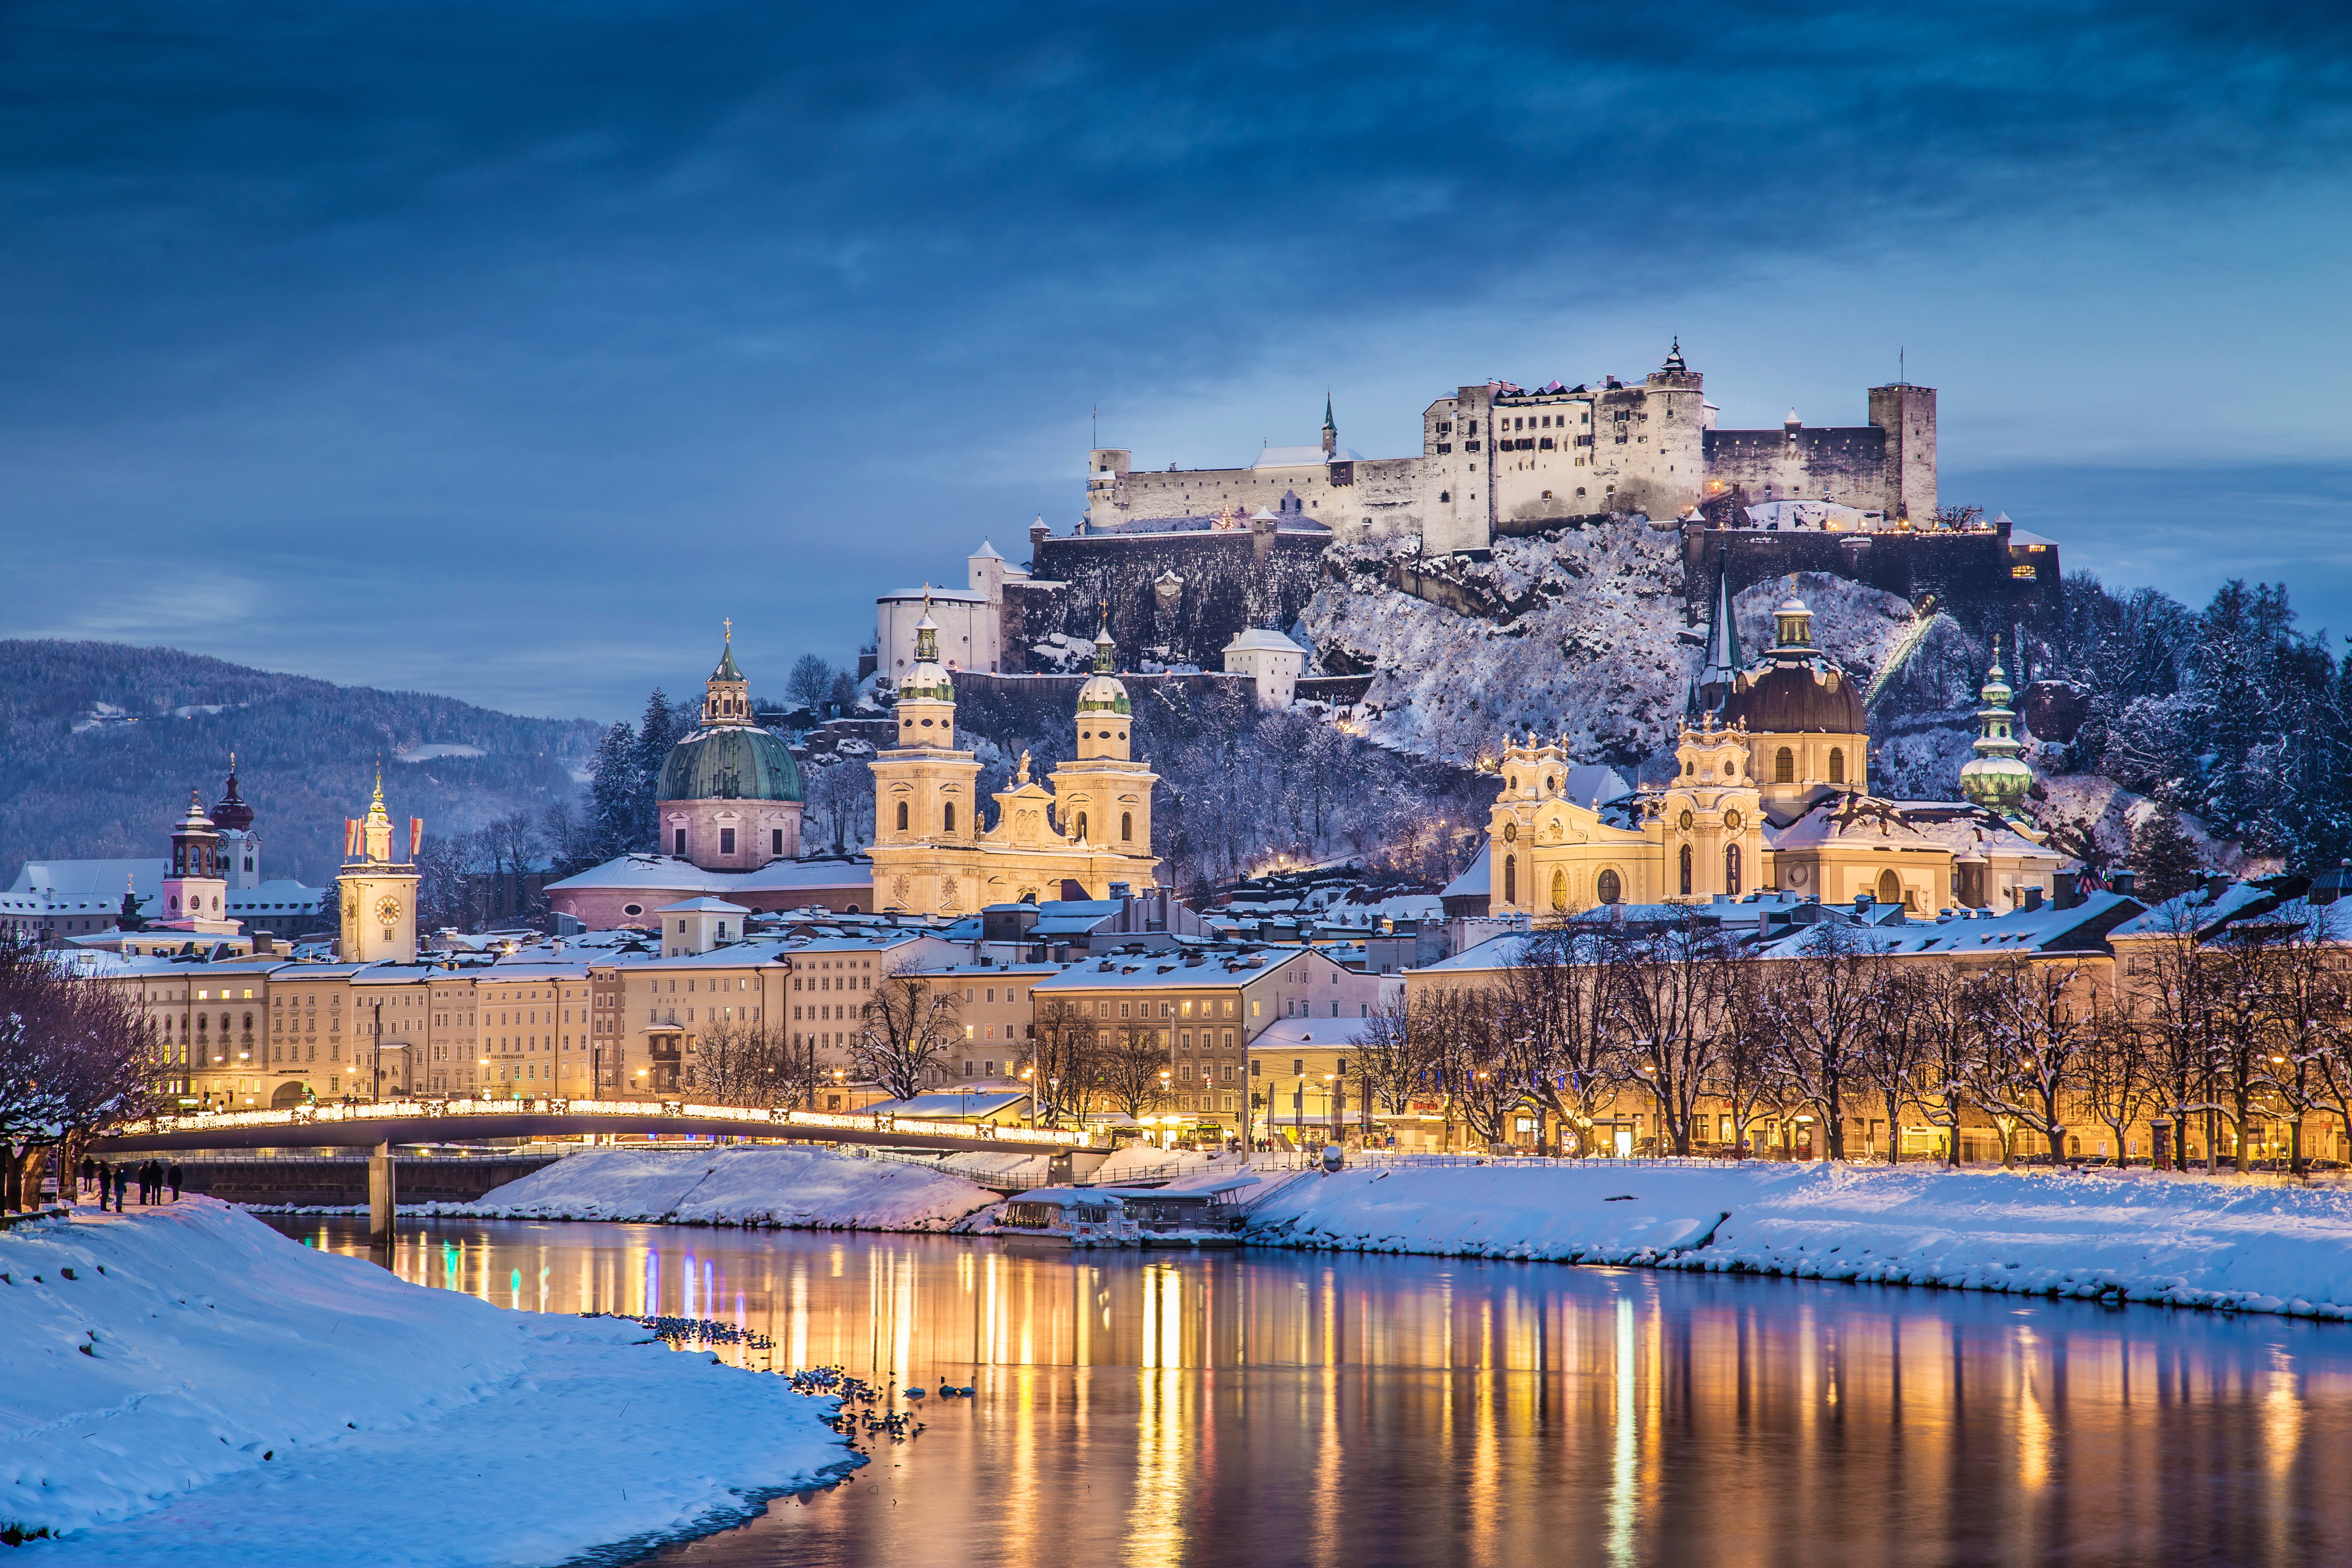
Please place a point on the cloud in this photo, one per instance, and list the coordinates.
(493, 340)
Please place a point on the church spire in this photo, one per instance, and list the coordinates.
(1724, 660)
(1330, 430)
(1997, 779)
(726, 695)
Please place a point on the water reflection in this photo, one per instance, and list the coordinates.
(1262, 1407)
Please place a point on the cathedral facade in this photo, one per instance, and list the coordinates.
(1090, 824)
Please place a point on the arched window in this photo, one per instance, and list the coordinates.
(1685, 858)
(1837, 764)
(902, 816)
(1126, 825)
(1510, 878)
(950, 816)
(1784, 766)
(1559, 890)
(1731, 870)
(1611, 887)
(1082, 828)
(1890, 888)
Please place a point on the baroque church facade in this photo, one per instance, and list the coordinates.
(1088, 824)
(1771, 793)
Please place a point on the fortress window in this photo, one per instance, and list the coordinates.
(1837, 764)
(1784, 766)
(1445, 495)
(902, 816)
(1611, 887)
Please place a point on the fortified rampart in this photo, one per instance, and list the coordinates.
(1986, 577)
(1174, 597)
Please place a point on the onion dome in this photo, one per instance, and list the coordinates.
(1103, 692)
(230, 811)
(1796, 691)
(1997, 779)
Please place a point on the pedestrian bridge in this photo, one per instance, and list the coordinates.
(386, 1122)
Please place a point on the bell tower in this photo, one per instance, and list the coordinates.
(1102, 799)
(196, 893)
(924, 788)
(379, 893)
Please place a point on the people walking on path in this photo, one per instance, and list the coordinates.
(174, 1175)
(89, 1174)
(121, 1185)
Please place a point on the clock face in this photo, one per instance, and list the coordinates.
(387, 909)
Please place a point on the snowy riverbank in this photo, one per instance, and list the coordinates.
(800, 1188)
(2143, 1238)
(183, 1385)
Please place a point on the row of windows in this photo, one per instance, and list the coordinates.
(726, 841)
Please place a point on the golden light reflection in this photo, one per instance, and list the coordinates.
(1138, 1407)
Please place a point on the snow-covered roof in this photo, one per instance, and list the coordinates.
(1477, 878)
(2019, 536)
(986, 552)
(2046, 930)
(1259, 640)
(1168, 972)
(936, 595)
(1957, 827)
(705, 906)
(2198, 910)
(96, 888)
(663, 873)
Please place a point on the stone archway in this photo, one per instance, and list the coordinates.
(292, 1092)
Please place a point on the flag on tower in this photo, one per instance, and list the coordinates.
(416, 837)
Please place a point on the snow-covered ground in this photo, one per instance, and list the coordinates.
(183, 1385)
(807, 1189)
(2143, 1238)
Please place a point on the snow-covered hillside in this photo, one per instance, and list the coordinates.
(805, 1189)
(183, 1385)
(1582, 634)
(2142, 1237)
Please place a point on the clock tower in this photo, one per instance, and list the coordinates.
(379, 893)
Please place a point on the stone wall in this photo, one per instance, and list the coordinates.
(1174, 598)
(1978, 576)
(329, 1181)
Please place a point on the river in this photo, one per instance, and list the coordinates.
(1342, 1411)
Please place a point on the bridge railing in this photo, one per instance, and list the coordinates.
(752, 1121)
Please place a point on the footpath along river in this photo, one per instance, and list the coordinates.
(1273, 1407)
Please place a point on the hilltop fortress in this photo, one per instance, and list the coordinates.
(1501, 459)
(1195, 567)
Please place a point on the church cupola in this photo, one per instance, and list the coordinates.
(194, 892)
(1793, 630)
(927, 697)
(230, 812)
(727, 696)
(1104, 712)
(1997, 779)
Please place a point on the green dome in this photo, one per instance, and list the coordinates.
(1102, 694)
(730, 762)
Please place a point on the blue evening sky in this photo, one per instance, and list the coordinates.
(501, 349)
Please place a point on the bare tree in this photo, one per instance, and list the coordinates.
(2179, 986)
(77, 1057)
(1896, 1047)
(907, 1027)
(2118, 1077)
(1940, 1003)
(1132, 1068)
(2306, 1019)
(1819, 1004)
(809, 682)
(1665, 992)
(1744, 1078)
(2034, 1030)
(1564, 1040)
(1393, 1057)
(1063, 1065)
(752, 1065)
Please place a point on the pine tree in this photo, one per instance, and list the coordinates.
(613, 795)
(2164, 856)
(656, 736)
